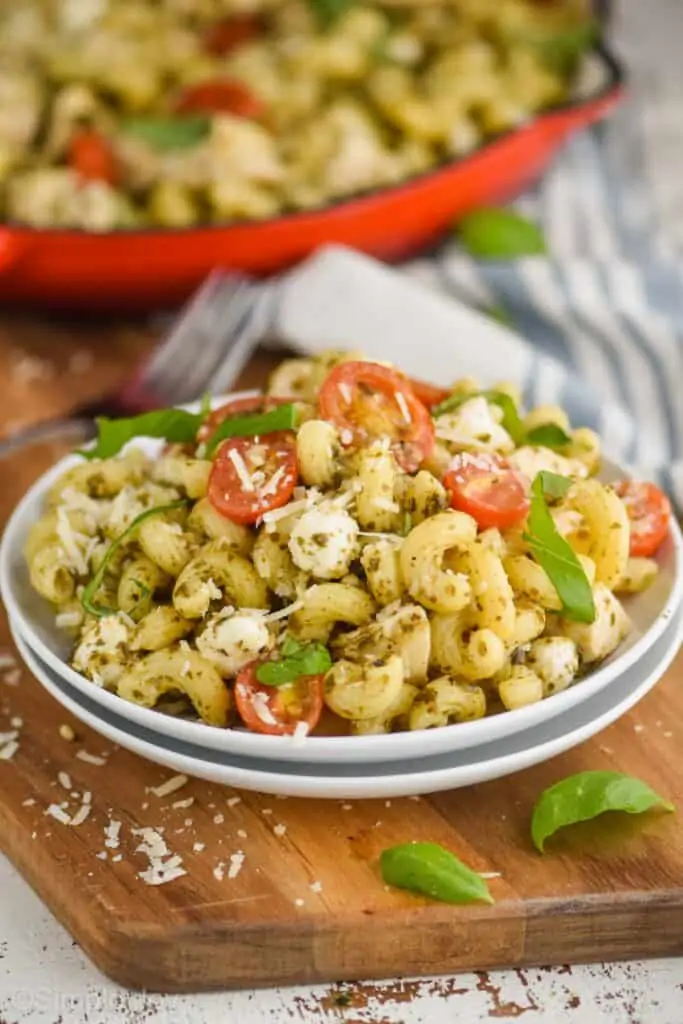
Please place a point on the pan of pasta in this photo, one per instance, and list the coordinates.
(353, 564)
(141, 144)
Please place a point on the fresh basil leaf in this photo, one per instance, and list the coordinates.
(496, 234)
(100, 610)
(554, 554)
(562, 48)
(168, 133)
(282, 418)
(329, 11)
(430, 869)
(553, 485)
(511, 419)
(586, 795)
(548, 435)
(175, 425)
(308, 659)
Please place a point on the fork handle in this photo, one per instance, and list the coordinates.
(79, 430)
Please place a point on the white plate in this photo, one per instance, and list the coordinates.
(649, 611)
(371, 780)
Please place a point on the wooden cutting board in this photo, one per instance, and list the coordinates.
(288, 891)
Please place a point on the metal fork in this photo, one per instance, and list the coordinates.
(205, 350)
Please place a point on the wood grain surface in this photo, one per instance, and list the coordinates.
(307, 903)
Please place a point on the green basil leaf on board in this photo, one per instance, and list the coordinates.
(168, 133)
(297, 660)
(284, 417)
(554, 554)
(498, 234)
(176, 425)
(87, 597)
(585, 796)
(434, 871)
(548, 435)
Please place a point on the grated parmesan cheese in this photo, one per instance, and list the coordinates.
(171, 785)
(9, 750)
(284, 612)
(260, 704)
(67, 620)
(198, 847)
(490, 874)
(233, 801)
(69, 540)
(345, 392)
(218, 819)
(236, 862)
(301, 731)
(286, 510)
(183, 804)
(58, 813)
(403, 406)
(219, 871)
(111, 834)
(82, 813)
(83, 755)
(280, 830)
(273, 484)
(7, 661)
(64, 780)
(241, 470)
(316, 887)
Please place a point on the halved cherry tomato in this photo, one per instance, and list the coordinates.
(220, 96)
(238, 407)
(649, 512)
(429, 394)
(277, 710)
(367, 400)
(488, 489)
(227, 35)
(270, 464)
(92, 157)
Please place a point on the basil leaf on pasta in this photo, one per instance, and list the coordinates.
(297, 660)
(100, 610)
(554, 554)
(282, 418)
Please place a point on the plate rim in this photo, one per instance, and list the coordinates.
(409, 784)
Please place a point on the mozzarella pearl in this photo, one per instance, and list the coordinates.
(324, 543)
(231, 643)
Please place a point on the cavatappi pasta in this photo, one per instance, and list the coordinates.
(378, 557)
(125, 113)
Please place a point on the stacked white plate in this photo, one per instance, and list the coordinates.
(350, 767)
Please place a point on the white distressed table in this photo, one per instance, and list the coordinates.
(46, 979)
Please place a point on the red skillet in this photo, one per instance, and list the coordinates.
(143, 269)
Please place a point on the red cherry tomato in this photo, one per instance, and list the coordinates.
(649, 512)
(429, 394)
(488, 489)
(277, 710)
(225, 36)
(238, 407)
(220, 96)
(250, 476)
(92, 157)
(367, 400)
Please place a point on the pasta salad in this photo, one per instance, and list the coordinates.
(351, 551)
(118, 114)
